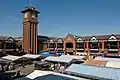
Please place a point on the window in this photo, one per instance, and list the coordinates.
(93, 45)
(10, 46)
(60, 45)
(69, 45)
(52, 45)
(112, 45)
(80, 45)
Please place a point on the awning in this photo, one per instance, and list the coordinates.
(12, 58)
(62, 59)
(30, 56)
(45, 54)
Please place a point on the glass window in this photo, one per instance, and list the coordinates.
(93, 45)
(69, 45)
(10, 46)
(80, 45)
(59, 45)
(112, 45)
(52, 45)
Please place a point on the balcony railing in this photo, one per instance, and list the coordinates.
(112, 49)
(60, 48)
(94, 49)
(9, 49)
(80, 49)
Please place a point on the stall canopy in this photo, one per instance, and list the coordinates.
(30, 56)
(107, 59)
(62, 59)
(111, 62)
(45, 54)
(76, 57)
(94, 72)
(48, 75)
(4, 61)
(11, 58)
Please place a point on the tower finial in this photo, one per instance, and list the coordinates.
(29, 2)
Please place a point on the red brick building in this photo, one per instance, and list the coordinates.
(92, 44)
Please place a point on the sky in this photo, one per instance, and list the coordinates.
(60, 17)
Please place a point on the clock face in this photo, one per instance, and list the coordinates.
(33, 15)
(26, 15)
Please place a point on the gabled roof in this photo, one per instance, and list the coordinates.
(70, 35)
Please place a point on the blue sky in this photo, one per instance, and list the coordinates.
(59, 17)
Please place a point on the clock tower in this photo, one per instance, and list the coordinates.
(30, 29)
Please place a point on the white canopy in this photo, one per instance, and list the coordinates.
(63, 59)
(111, 62)
(108, 59)
(10, 57)
(31, 56)
(77, 57)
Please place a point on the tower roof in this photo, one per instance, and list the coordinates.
(30, 8)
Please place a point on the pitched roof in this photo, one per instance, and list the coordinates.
(99, 37)
(3, 37)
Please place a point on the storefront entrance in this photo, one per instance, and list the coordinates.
(69, 48)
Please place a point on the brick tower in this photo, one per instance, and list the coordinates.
(30, 29)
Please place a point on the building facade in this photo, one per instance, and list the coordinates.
(9, 45)
(71, 44)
